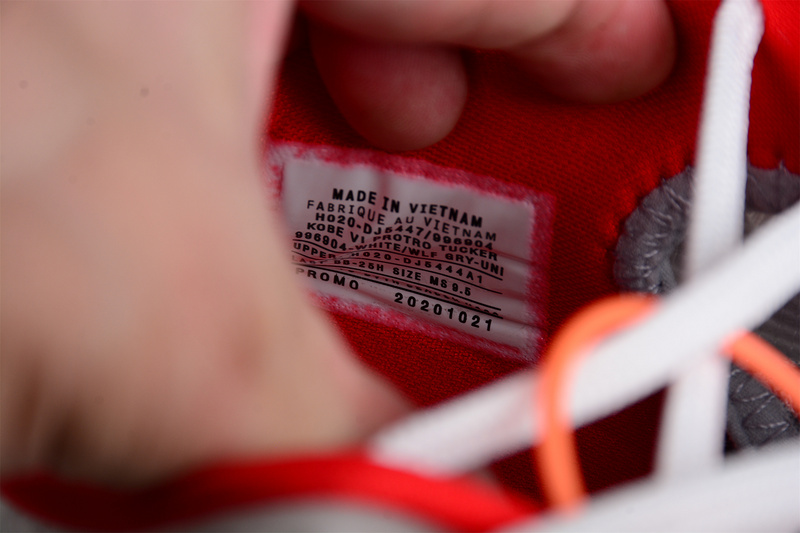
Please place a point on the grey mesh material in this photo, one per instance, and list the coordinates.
(648, 259)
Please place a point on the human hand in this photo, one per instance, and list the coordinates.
(150, 318)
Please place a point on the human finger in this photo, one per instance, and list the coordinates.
(398, 96)
(593, 51)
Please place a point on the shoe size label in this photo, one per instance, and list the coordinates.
(382, 235)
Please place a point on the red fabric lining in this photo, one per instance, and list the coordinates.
(455, 504)
(598, 162)
(774, 135)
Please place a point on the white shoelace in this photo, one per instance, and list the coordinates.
(731, 287)
(693, 428)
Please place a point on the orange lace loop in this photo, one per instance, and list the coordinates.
(556, 456)
(759, 358)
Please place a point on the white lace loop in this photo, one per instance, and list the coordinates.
(693, 428)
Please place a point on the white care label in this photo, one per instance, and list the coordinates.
(456, 260)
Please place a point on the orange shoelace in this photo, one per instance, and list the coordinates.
(556, 456)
